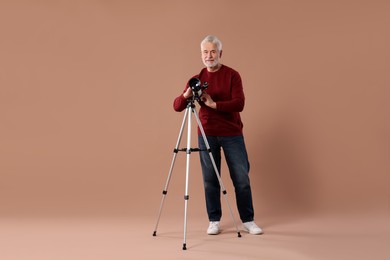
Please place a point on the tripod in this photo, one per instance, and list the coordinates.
(187, 117)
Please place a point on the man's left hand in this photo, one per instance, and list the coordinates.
(208, 101)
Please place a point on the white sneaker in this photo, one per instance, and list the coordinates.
(252, 228)
(213, 228)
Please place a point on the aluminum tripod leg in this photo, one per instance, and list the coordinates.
(216, 170)
(186, 195)
(165, 191)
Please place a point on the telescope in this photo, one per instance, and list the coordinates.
(197, 87)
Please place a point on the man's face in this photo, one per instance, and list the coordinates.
(210, 55)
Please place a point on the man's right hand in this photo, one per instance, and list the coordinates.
(188, 93)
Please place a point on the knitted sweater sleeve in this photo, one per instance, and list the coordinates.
(237, 101)
(180, 102)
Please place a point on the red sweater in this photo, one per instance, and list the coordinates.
(225, 88)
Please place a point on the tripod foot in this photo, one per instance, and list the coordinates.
(238, 234)
(154, 233)
(184, 246)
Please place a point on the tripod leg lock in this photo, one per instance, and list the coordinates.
(186, 197)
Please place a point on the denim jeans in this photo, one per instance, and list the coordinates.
(237, 160)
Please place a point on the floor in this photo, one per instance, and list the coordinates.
(317, 238)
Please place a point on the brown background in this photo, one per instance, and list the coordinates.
(86, 90)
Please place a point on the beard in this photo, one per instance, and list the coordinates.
(212, 64)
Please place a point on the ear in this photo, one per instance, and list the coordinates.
(220, 54)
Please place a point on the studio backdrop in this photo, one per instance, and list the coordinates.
(87, 126)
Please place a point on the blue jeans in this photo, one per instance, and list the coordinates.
(237, 160)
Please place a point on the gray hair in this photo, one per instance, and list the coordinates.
(214, 40)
